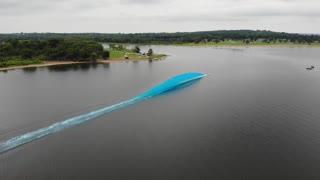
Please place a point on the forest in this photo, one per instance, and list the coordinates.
(23, 52)
(246, 36)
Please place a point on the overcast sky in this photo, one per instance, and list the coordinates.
(130, 16)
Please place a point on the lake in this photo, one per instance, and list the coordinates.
(256, 116)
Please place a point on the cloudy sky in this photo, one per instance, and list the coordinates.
(130, 16)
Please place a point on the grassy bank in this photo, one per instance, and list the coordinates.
(17, 61)
(120, 54)
(158, 56)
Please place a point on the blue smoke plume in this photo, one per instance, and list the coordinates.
(163, 87)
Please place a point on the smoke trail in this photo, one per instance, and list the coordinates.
(165, 86)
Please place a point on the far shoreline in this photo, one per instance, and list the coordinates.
(241, 45)
(110, 60)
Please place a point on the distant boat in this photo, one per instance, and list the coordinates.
(310, 68)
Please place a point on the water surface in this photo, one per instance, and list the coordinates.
(255, 117)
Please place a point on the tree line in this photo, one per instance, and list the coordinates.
(171, 38)
(52, 49)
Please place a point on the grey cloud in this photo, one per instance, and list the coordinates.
(17, 8)
(175, 18)
(140, 2)
(21, 8)
(165, 14)
(198, 17)
(6, 5)
(264, 12)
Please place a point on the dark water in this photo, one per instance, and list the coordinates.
(255, 117)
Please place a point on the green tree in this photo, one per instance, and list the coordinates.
(105, 54)
(93, 57)
(84, 55)
(120, 47)
(26, 53)
(54, 42)
(112, 46)
(150, 52)
(136, 49)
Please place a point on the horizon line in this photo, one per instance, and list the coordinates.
(168, 32)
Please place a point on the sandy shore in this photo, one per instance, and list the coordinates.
(52, 63)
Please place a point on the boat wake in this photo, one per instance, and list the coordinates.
(161, 88)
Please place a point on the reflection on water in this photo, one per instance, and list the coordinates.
(69, 67)
(106, 65)
(235, 49)
(30, 69)
(76, 67)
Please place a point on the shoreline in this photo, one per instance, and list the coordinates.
(246, 45)
(54, 63)
(230, 44)
(116, 59)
